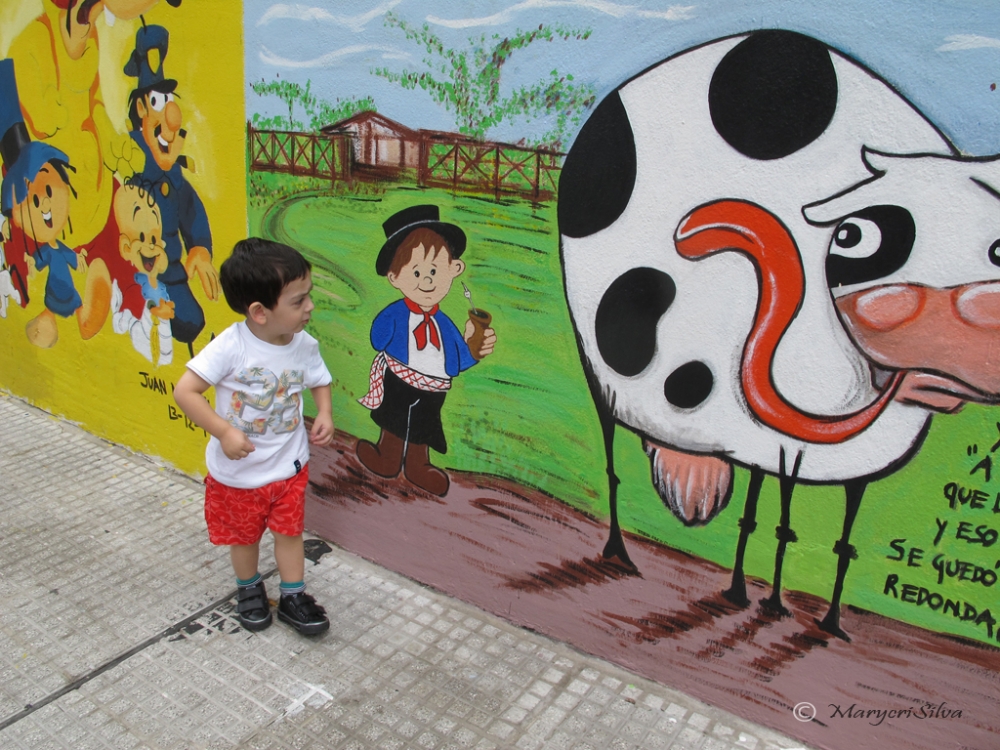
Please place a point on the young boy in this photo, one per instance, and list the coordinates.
(420, 348)
(258, 453)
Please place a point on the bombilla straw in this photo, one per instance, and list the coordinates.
(468, 296)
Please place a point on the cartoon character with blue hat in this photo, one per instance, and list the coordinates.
(156, 128)
(35, 198)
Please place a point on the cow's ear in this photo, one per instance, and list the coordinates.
(832, 210)
(986, 174)
(878, 162)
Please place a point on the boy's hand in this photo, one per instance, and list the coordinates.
(235, 444)
(489, 339)
(322, 430)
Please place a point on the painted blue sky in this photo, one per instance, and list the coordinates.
(942, 55)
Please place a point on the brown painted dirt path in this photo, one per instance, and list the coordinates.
(535, 561)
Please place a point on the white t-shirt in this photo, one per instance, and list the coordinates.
(258, 389)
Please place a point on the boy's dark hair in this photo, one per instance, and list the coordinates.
(257, 271)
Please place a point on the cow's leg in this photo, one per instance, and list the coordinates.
(846, 552)
(616, 545)
(737, 592)
(783, 531)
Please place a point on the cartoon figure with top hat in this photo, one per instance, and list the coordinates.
(420, 350)
(34, 196)
(156, 120)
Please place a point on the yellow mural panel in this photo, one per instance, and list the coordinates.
(124, 183)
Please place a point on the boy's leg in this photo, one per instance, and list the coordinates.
(296, 607)
(286, 521)
(424, 431)
(245, 558)
(237, 518)
(289, 553)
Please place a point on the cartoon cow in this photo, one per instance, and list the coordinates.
(700, 245)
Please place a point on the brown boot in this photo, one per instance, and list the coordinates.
(384, 459)
(418, 469)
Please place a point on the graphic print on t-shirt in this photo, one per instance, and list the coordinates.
(280, 407)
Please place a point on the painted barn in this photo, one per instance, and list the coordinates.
(378, 141)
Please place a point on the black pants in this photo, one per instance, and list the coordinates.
(411, 414)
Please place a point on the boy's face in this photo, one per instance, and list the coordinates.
(43, 214)
(427, 277)
(293, 309)
(141, 239)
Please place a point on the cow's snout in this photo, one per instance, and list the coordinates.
(955, 332)
(979, 304)
(889, 307)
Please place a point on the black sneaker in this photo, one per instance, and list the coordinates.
(252, 607)
(303, 613)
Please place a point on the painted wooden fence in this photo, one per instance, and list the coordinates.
(445, 160)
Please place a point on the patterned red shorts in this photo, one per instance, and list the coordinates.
(239, 516)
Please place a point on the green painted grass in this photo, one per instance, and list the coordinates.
(525, 412)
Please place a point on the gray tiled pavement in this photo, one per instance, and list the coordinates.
(116, 631)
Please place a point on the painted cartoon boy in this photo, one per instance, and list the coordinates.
(420, 348)
(35, 196)
(141, 244)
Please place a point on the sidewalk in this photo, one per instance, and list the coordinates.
(116, 631)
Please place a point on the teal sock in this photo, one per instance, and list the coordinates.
(249, 582)
(287, 589)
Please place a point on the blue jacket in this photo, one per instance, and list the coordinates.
(391, 334)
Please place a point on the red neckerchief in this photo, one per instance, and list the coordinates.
(420, 332)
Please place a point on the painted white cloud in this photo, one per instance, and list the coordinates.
(617, 10)
(331, 58)
(958, 42)
(673, 13)
(312, 14)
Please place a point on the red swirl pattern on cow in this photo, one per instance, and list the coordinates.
(734, 225)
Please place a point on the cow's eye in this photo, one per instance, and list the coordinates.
(994, 253)
(856, 238)
(870, 244)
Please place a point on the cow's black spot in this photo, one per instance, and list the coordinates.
(599, 172)
(773, 93)
(688, 385)
(627, 316)
(870, 244)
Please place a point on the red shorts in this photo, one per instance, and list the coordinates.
(239, 516)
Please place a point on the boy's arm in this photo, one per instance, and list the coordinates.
(189, 395)
(322, 429)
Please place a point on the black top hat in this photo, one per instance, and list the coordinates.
(400, 224)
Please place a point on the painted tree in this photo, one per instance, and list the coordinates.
(319, 112)
(289, 93)
(467, 81)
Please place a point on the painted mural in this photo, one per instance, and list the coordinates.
(108, 279)
(684, 274)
